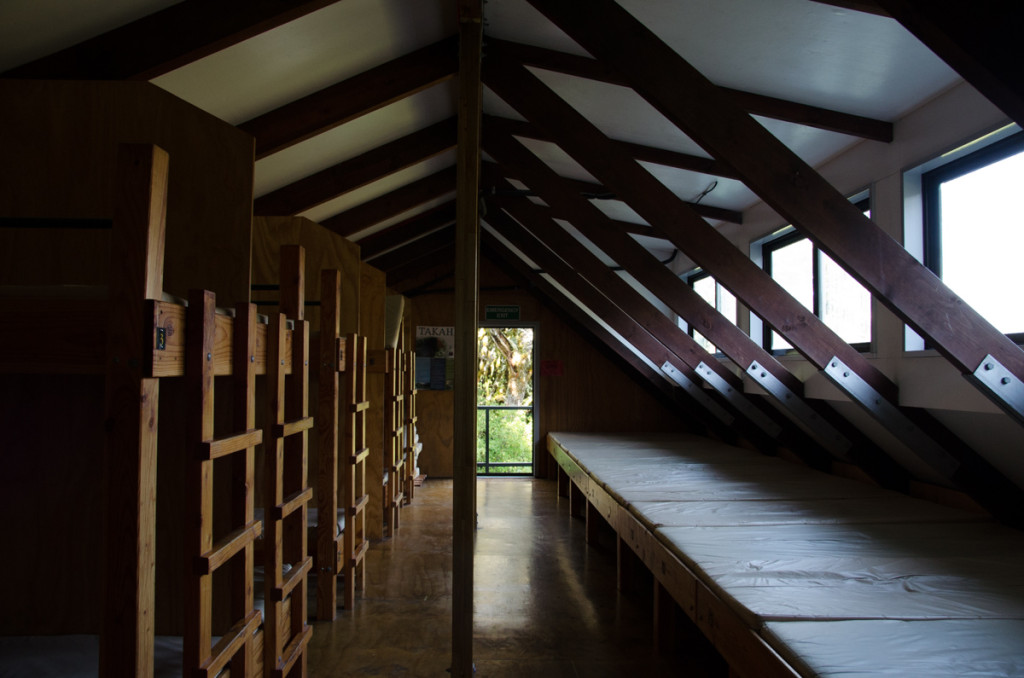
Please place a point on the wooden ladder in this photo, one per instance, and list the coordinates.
(341, 477)
(286, 633)
(409, 402)
(204, 556)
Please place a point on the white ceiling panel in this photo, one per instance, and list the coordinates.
(307, 55)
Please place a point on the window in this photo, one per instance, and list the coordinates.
(821, 285)
(720, 298)
(974, 230)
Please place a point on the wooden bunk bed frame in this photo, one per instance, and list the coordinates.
(146, 339)
(789, 572)
(341, 474)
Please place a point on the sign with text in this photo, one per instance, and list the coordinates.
(435, 357)
(505, 312)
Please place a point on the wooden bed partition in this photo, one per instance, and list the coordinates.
(136, 337)
(791, 572)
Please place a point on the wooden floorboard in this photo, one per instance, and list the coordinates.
(545, 602)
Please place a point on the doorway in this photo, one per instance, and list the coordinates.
(506, 421)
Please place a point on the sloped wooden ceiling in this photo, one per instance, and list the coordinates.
(624, 147)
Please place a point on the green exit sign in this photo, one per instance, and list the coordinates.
(501, 312)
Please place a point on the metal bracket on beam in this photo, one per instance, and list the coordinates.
(890, 416)
(738, 400)
(804, 415)
(1001, 386)
(696, 392)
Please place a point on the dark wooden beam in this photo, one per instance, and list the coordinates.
(821, 423)
(349, 99)
(407, 230)
(801, 195)
(365, 168)
(624, 226)
(605, 70)
(653, 201)
(365, 215)
(768, 161)
(980, 41)
(760, 425)
(165, 40)
(415, 251)
(659, 156)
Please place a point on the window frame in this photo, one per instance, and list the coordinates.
(695, 276)
(931, 211)
(790, 236)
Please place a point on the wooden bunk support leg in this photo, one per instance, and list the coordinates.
(126, 642)
(664, 618)
(354, 456)
(329, 557)
(409, 392)
(393, 411)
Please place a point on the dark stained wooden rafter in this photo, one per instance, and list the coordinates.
(763, 425)
(831, 431)
(755, 104)
(658, 156)
(625, 226)
(654, 202)
(633, 332)
(407, 230)
(355, 172)
(980, 41)
(499, 253)
(415, 250)
(787, 184)
(351, 98)
(372, 212)
(165, 40)
(798, 193)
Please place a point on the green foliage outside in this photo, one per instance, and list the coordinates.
(505, 378)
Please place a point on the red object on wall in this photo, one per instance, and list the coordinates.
(551, 368)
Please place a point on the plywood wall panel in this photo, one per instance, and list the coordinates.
(59, 144)
(324, 250)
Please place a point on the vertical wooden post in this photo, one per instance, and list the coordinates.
(126, 643)
(327, 463)
(467, 229)
(199, 479)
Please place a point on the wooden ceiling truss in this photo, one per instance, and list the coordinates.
(856, 377)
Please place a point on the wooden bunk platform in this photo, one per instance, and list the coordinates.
(789, 571)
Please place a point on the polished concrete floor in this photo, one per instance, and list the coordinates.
(545, 603)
